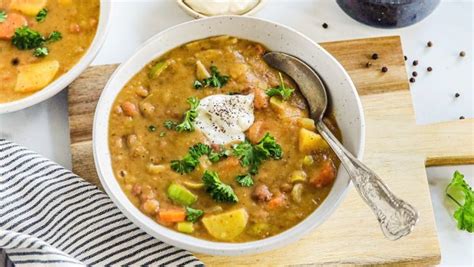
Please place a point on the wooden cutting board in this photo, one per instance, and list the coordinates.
(396, 148)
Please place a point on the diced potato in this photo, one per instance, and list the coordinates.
(226, 226)
(310, 141)
(34, 77)
(284, 109)
(28, 7)
(308, 160)
(296, 192)
(185, 227)
(201, 71)
(307, 123)
(298, 176)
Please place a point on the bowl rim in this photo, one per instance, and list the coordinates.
(196, 244)
(67, 78)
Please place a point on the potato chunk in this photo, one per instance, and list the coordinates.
(34, 77)
(28, 7)
(310, 141)
(228, 225)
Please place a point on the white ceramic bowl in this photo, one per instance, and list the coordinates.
(62, 82)
(199, 15)
(276, 37)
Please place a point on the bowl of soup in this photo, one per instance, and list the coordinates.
(45, 45)
(203, 145)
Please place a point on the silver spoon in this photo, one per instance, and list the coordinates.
(396, 217)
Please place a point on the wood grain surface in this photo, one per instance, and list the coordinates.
(396, 148)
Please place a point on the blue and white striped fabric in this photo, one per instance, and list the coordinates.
(50, 216)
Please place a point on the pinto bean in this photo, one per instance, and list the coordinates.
(132, 140)
(147, 109)
(129, 109)
(255, 132)
(74, 28)
(136, 189)
(141, 91)
(261, 193)
(151, 206)
(261, 98)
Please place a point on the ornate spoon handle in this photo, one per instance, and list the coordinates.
(396, 217)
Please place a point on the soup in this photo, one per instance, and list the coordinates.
(40, 40)
(210, 141)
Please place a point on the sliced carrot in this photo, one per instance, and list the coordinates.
(172, 215)
(277, 201)
(261, 98)
(8, 27)
(255, 132)
(325, 176)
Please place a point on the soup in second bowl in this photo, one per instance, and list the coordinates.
(40, 40)
(212, 142)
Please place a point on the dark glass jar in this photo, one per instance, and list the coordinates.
(388, 13)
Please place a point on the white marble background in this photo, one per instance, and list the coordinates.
(44, 127)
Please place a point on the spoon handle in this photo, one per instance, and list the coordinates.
(396, 217)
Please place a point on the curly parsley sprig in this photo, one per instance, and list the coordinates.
(281, 90)
(462, 194)
(219, 191)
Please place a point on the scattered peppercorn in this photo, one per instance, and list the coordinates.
(15, 61)
(415, 62)
(414, 74)
(325, 25)
(457, 95)
(429, 44)
(375, 56)
(384, 69)
(368, 64)
(462, 54)
(429, 69)
(461, 118)
(405, 57)
(412, 80)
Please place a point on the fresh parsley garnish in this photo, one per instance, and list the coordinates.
(281, 90)
(253, 155)
(245, 180)
(217, 189)
(189, 116)
(193, 215)
(3, 16)
(26, 38)
(152, 128)
(191, 160)
(216, 80)
(170, 125)
(462, 194)
(40, 52)
(41, 16)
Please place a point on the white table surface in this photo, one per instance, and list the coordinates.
(44, 127)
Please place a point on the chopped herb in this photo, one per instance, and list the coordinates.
(253, 155)
(40, 52)
(217, 189)
(192, 215)
(245, 180)
(26, 38)
(197, 84)
(162, 134)
(152, 128)
(3, 16)
(281, 90)
(54, 37)
(191, 160)
(462, 194)
(216, 156)
(216, 80)
(189, 116)
(41, 16)
(169, 124)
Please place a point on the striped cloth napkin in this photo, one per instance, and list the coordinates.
(49, 216)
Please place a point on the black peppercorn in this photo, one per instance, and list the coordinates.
(461, 118)
(384, 69)
(462, 54)
(414, 74)
(429, 44)
(325, 25)
(415, 62)
(457, 95)
(412, 80)
(375, 56)
(15, 61)
(429, 69)
(405, 57)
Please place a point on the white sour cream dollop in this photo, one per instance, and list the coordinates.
(224, 118)
(221, 7)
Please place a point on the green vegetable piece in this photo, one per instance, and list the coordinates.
(169, 124)
(245, 180)
(162, 134)
(219, 191)
(189, 116)
(3, 16)
(41, 16)
(462, 194)
(54, 37)
(215, 80)
(191, 160)
(26, 38)
(185, 227)
(152, 128)
(41, 52)
(193, 215)
(181, 195)
(197, 84)
(158, 68)
(281, 90)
